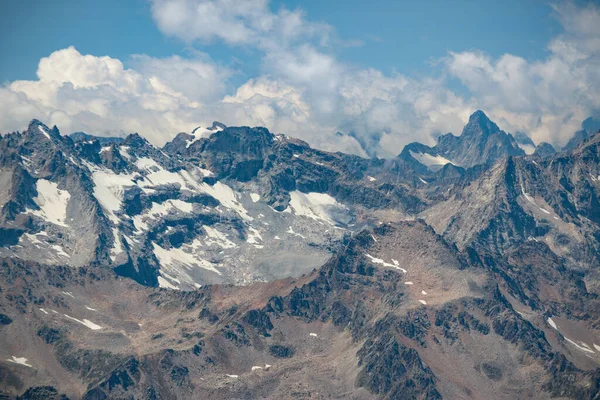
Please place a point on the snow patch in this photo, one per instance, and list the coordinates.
(317, 206)
(408, 283)
(312, 334)
(585, 349)
(147, 164)
(177, 257)
(108, 190)
(370, 178)
(380, 261)
(85, 322)
(375, 260)
(255, 197)
(423, 302)
(60, 251)
(526, 195)
(163, 283)
(90, 308)
(20, 360)
(218, 238)
(160, 210)
(253, 236)
(552, 323)
(117, 248)
(52, 202)
(200, 133)
(227, 197)
(44, 311)
(43, 131)
(256, 367)
(423, 292)
(291, 232)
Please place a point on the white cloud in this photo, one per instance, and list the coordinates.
(98, 95)
(235, 22)
(305, 91)
(546, 98)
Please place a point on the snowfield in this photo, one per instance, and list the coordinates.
(52, 202)
(317, 206)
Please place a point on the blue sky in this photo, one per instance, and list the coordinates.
(390, 71)
(403, 36)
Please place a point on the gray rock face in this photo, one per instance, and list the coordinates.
(481, 142)
(588, 128)
(544, 150)
(220, 205)
(389, 313)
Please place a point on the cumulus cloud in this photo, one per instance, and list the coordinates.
(304, 90)
(547, 98)
(247, 22)
(99, 95)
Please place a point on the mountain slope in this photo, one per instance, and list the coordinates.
(362, 278)
(355, 328)
(232, 204)
(481, 142)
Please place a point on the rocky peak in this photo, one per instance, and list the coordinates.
(588, 127)
(544, 149)
(479, 125)
(591, 144)
(40, 131)
(85, 137)
(244, 141)
(135, 140)
(481, 142)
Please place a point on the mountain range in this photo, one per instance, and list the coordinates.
(237, 263)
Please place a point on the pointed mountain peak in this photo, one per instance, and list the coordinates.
(135, 140)
(544, 149)
(479, 124)
(37, 128)
(35, 123)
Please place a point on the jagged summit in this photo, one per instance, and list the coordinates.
(481, 142)
(479, 124)
(216, 126)
(589, 126)
(37, 128)
(104, 140)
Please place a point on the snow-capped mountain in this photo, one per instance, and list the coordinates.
(356, 278)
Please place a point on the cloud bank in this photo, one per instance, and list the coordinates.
(303, 89)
